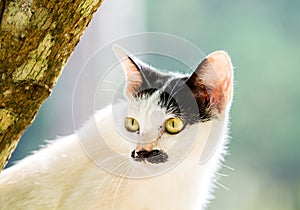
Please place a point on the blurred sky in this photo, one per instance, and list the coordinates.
(263, 39)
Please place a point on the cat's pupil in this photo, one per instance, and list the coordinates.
(132, 122)
(173, 124)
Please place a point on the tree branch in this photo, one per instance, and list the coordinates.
(36, 39)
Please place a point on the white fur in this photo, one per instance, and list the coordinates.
(63, 176)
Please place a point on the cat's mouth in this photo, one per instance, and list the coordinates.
(153, 156)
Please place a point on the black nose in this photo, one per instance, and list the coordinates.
(153, 156)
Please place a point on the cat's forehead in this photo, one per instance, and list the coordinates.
(152, 99)
(146, 103)
(172, 97)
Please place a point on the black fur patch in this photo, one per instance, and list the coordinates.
(145, 93)
(151, 78)
(178, 98)
(154, 156)
(186, 98)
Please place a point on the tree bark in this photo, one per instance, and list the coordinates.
(36, 39)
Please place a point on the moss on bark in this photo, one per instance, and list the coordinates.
(36, 39)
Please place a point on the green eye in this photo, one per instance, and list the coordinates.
(131, 124)
(174, 125)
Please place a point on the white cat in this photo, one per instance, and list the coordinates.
(160, 149)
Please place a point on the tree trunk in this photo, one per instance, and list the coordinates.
(36, 39)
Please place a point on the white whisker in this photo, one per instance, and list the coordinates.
(225, 166)
(111, 157)
(224, 175)
(224, 187)
(120, 163)
(120, 166)
(125, 169)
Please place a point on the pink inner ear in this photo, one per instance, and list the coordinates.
(221, 78)
(133, 75)
(134, 81)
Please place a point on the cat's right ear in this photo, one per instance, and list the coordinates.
(212, 81)
(132, 70)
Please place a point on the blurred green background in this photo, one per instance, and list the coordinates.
(263, 39)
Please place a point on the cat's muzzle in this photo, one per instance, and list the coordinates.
(153, 156)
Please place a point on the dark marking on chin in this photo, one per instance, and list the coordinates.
(154, 156)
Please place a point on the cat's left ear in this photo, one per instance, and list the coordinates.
(132, 70)
(139, 75)
(213, 80)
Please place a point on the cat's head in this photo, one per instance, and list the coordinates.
(162, 107)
